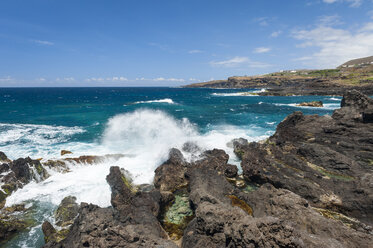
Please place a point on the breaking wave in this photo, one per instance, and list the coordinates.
(145, 137)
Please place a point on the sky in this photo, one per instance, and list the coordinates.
(74, 43)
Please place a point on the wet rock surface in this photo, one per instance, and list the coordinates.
(132, 222)
(15, 174)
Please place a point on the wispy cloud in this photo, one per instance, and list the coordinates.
(276, 34)
(329, 20)
(106, 79)
(65, 79)
(43, 42)
(335, 45)
(262, 21)
(6, 79)
(262, 50)
(162, 79)
(353, 3)
(195, 51)
(239, 62)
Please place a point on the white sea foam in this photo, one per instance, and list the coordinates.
(327, 106)
(166, 100)
(246, 93)
(20, 140)
(146, 137)
(335, 99)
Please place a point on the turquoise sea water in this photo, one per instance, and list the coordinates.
(142, 123)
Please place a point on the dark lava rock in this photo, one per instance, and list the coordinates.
(4, 158)
(132, 222)
(268, 217)
(170, 175)
(326, 160)
(15, 174)
(26, 169)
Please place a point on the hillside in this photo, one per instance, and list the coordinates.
(355, 74)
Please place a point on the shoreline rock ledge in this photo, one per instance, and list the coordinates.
(309, 185)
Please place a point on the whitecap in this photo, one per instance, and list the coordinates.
(165, 100)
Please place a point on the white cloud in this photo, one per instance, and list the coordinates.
(160, 79)
(276, 34)
(43, 42)
(41, 79)
(6, 79)
(65, 79)
(194, 80)
(335, 46)
(239, 62)
(262, 50)
(195, 51)
(353, 3)
(107, 79)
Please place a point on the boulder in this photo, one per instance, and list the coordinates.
(4, 158)
(170, 175)
(64, 152)
(317, 104)
(66, 211)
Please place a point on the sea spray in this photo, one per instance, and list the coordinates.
(145, 137)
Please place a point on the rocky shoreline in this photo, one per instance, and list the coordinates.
(288, 86)
(308, 185)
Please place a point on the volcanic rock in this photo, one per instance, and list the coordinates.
(326, 160)
(311, 104)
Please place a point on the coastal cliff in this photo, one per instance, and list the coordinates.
(308, 185)
(346, 77)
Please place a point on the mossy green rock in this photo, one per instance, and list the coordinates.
(66, 211)
(179, 210)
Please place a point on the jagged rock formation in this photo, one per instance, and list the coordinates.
(325, 159)
(132, 222)
(15, 174)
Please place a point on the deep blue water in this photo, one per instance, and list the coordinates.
(90, 108)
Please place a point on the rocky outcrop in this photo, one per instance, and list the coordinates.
(132, 222)
(12, 221)
(326, 160)
(4, 158)
(170, 176)
(64, 152)
(317, 104)
(15, 174)
(64, 217)
(66, 211)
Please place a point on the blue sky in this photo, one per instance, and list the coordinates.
(174, 42)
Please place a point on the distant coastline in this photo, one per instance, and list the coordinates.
(352, 75)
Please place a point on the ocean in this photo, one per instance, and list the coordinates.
(141, 123)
